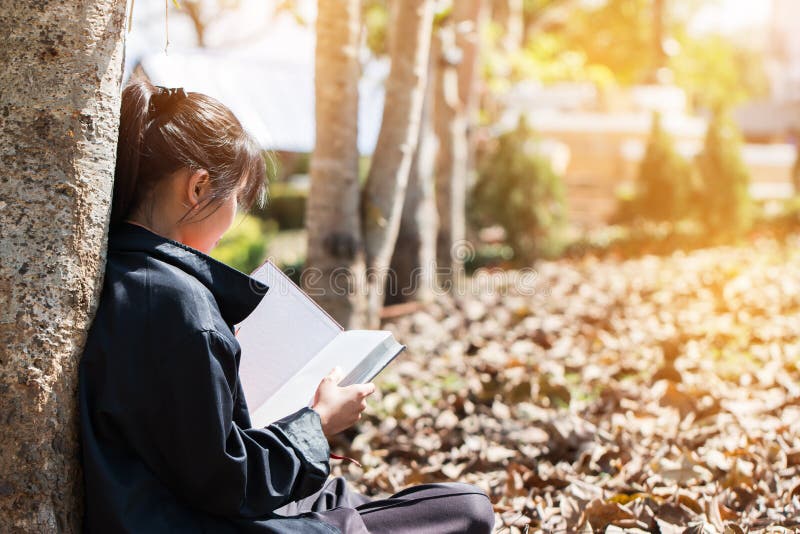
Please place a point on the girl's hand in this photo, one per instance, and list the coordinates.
(339, 407)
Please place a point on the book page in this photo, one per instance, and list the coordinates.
(347, 350)
(285, 331)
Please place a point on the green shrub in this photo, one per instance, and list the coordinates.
(664, 186)
(518, 190)
(244, 246)
(286, 206)
(724, 196)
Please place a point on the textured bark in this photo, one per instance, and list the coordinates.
(414, 259)
(60, 70)
(384, 191)
(335, 270)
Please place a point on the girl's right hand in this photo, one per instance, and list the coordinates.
(339, 407)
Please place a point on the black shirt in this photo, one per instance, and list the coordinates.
(167, 440)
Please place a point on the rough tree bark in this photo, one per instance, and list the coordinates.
(414, 258)
(335, 269)
(384, 191)
(60, 73)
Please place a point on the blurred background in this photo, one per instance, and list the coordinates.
(622, 125)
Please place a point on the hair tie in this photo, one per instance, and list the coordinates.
(165, 99)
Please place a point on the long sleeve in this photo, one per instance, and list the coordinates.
(209, 461)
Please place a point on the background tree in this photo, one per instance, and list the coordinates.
(385, 188)
(338, 213)
(725, 195)
(456, 67)
(414, 257)
(664, 185)
(61, 69)
(335, 266)
(518, 190)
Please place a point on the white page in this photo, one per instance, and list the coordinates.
(346, 350)
(293, 328)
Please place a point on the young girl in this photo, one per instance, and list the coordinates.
(167, 441)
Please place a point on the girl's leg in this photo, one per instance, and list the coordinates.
(431, 508)
(426, 509)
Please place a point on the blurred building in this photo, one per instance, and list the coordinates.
(597, 141)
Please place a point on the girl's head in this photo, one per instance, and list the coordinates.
(184, 164)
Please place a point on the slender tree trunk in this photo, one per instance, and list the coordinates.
(455, 101)
(414, 258)
(513, 23)
(335, 269)
(384, 192)
(451, 163)
(469, 16)
(60, 70)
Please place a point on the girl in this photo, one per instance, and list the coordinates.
(167, 441)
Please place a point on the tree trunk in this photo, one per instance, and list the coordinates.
(60, 73)
(450, 126)
(455, 96)
(335, 270)
(414, 258)
(384, 192)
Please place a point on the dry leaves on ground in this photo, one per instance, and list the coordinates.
(651, 395)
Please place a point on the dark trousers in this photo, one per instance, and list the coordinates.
(428, 508)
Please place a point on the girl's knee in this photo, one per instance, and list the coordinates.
(476, 508)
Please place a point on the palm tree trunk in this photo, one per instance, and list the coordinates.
(384, 192)
(60, 73)
(334, 273)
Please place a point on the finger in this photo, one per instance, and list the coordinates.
(335, 375)
(365, 390)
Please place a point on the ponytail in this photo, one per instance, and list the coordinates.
(133, 121)
(163, 130)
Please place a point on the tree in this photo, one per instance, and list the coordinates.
(414, 258)
(338, 255)
(664, 186)
(456, 56)
(518, 190)
(385, 189)
(335, 266)
(725, 194)
(61, 71)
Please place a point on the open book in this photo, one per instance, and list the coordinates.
(289, 344)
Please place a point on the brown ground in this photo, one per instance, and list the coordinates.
(652, 394)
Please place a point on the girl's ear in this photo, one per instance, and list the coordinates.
(198, 187)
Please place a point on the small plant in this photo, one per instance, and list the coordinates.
(518, 190)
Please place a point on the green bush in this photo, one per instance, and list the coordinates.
(724, 196)
(518, 190)
(664, 187)
(286, 206)
(244, 246)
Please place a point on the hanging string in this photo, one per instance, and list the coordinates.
(166, 26)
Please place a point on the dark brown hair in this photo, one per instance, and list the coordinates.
(162, 131)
